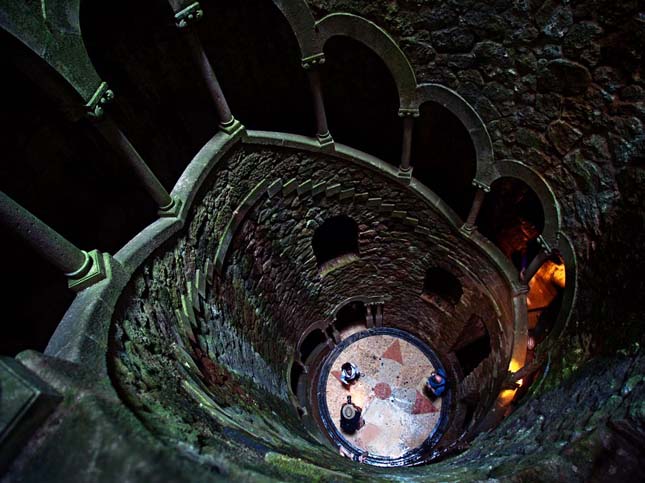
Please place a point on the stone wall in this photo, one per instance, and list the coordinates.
(559, 87)
(183, 333)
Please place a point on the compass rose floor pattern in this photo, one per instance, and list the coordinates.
(399, 416)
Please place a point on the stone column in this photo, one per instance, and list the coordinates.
(539, 259)
(185, 19)
(408, 115)
(470, 225)
(82, 268)
(311, 65)
(168, 207)
(95, 111)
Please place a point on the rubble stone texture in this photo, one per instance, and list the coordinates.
(201, 382)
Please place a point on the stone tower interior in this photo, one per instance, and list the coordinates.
(209, 209)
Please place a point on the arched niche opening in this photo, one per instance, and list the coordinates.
(161, 102)
(335, 243)
(544, 299)
(311, 345)
(296, 373)
(473, 345)
(351, 318)
(258, 63)
(63, 172)
(361, 99)
(512, 217)
(441, 288)
(443, 156)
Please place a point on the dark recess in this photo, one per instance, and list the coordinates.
(441, 282)
(336, 237)
(65, 174)
(443, 156)
(361, 99)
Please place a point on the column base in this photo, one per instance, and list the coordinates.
(405, 175)
(170, 211)
(325, 140)
(231, 126)
(93, 271)
(468, 229)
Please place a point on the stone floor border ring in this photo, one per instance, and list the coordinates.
(410, 457)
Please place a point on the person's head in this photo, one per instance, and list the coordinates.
(347, 368)
(348, 411)
(436, 377)
(530, 344)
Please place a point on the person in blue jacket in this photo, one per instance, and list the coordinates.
(437, 383)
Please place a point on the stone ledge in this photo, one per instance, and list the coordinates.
(25, 401)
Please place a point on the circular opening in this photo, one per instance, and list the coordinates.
(385, 415)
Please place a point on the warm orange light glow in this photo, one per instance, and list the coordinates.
(506, 396)
(543, 288)
(514, 365)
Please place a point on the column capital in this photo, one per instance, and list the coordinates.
(95, 106)
(404, 112)
(91, 272)
(189, 15)
(313, 61)
(481, 186)
(548, 249)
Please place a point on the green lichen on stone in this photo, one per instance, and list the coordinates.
(295, 467)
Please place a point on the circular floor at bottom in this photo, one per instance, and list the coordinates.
(399, 416)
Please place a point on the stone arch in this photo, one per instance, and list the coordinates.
(52, 31)
(566, 250)
(313, 337)
(303, 25)
(458, 106)
(370, 34)
(336, 239)
(510, 168)
(443, 283)
(62, 95)
(365, 299)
